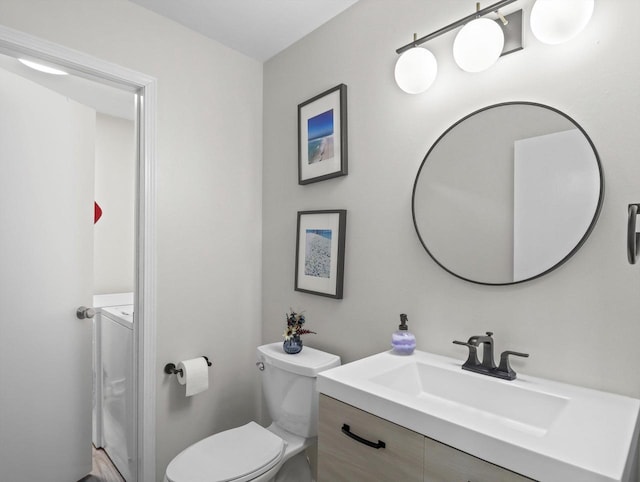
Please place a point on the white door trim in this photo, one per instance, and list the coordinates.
(14, 43)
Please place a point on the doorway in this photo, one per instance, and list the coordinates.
(17, 44)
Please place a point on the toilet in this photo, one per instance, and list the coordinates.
(257, 454)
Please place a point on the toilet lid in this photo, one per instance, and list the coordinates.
(237, 455)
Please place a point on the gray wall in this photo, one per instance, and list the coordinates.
(113, 234)
(208, 199)
(581, 322)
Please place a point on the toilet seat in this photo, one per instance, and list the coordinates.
(237, 455)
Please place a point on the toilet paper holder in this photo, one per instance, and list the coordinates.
(170, 368)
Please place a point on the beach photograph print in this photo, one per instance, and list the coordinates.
(317, 261)
(320, 130)
(320, 241)
(322, 136)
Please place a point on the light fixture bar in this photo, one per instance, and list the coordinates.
(454, 25)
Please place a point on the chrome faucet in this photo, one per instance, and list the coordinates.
(488, 366)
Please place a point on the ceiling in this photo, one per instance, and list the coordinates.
(257, 28)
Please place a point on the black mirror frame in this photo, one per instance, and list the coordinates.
(577, 246)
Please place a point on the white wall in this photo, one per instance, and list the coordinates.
(113, 234)
(581, 322)
(208, 199)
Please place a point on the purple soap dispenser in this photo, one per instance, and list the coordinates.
(403, 341)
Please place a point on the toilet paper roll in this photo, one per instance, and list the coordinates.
(195, 375)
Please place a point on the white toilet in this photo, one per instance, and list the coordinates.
(257, 454)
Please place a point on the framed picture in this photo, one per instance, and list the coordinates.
(322, 136)
(320, 252)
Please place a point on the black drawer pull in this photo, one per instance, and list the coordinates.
(347, 431)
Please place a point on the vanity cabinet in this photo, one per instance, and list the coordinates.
(341, 458)
(407, 456)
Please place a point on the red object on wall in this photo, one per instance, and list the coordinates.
(97, 212)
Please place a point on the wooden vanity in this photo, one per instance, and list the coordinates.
(407, 456)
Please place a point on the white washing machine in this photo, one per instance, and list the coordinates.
(118, 428)
(114, 383)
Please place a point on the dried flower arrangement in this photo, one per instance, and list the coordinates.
(294, 328)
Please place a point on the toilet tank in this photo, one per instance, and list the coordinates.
(289, 386)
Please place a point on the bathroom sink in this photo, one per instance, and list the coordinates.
(502, 403)
(542, 429)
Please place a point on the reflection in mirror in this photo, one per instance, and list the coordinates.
(507, 193)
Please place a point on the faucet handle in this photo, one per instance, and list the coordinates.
(462, 343)
(514, 353)
(505, 367)
(489, 333)
(472, 359)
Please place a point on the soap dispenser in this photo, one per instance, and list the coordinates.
(403, 341)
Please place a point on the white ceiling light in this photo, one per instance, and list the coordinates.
(557, 21)
(415, 71)
(478, 45)
(42, 68)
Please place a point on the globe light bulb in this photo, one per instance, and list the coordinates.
(478, 45)
(556, 21)
(415, 71)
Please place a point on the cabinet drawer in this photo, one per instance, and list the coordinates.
(446, 464)
(343, 459)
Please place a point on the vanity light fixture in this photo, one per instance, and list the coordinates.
(416, 69)
(481, 41)
(478, 45)
(557, 21)
(41, 67)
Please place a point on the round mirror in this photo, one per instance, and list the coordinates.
(508, 193)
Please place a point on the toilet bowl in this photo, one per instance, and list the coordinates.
(252, 452)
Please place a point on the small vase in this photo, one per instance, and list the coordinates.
(293, 345)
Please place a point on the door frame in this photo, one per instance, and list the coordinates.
(16, 43)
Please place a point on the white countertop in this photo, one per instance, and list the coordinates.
(545, 430)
